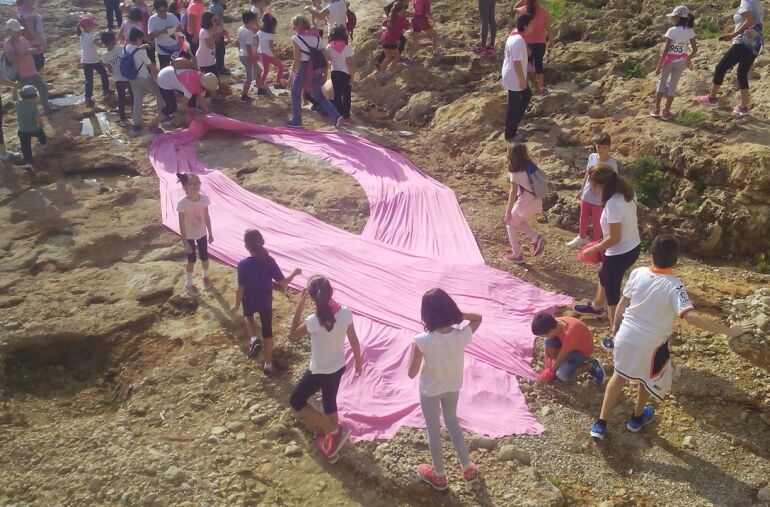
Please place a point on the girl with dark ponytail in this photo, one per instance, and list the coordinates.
(256, 276)
(327, 327)
(621, 243)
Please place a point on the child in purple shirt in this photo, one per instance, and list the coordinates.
(256, 275)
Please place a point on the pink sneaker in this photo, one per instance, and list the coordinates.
(207, 283)
(516, 260)
(429, 475)
(471, 474)
(331, 444)
(706, 100)
(655, 113)
(538, 246)
(192, 290)
(741, 111)
(666, 115)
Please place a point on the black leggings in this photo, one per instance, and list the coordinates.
(488, 22)
(169, 97)
(342, 91)
(401, 47)
(25, 139)
(203, 249)
(124, 92)
(613, 269)
(536, 56)
(88, 72)
(740, 55)
(311, 383)
(265, 320)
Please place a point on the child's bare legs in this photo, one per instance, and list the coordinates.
(540, 82)
(642, 396)
(318, 419)
(391, 59)
(669, 101)
(416, 36)
(251, 325)
(267, 354)
(433, 39)
(611, 395)
(600, 297)
(745, 97)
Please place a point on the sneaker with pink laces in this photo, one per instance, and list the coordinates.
(741, 111)
(666, 115)
(471, 474)
(331, 444)
(207, 283)
(192, 290)
(428, 474)
(655, 113)
(706, 100)
(513, 258)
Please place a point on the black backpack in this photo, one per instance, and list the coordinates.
(316, 55)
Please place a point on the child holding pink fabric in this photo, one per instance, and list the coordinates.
(522, 204)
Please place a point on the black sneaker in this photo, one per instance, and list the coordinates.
(245, 98)
(270, 370)
(254, 348)
(262, 91)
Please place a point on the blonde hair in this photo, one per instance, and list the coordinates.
(300, 22)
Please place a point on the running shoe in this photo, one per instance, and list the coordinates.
(608, 343)
(741, 111)
(706, 100)
(599, 430)
(588, 309)
(596, 371)
(245, 98)
(428, 475)
(254, 347)
(538, 246)
(471, 474)
(331, 444)
(293, 124)
(515, 259)
(544, 91)
(90, 102)
(666, 115)
(207, 283)
(192, 290)
(489, 50)
(339, 122)
(479, 50)
(577, 242)
(270, 370)
(637, 423)
(263, 91)
(409, 61)
(655, 113)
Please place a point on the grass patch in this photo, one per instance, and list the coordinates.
(634, 69)
(557, 9)
(689, 207)
(762, 265)
(708, 28)
(555, 481)
(691, 117)
(649, 180)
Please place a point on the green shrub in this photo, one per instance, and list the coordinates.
(649, 179)
(691, 117)
(689, 207)
(634, 69)
(763, 264)
(555, 481)
(708, 28)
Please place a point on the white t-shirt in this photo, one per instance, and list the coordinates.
(752, 6)
(264, 43)
(312, 40)
(205, 56)
(680, 40)
(590, 195)
(141, 60)
(618, 210)
(245, 39)
(194, 215)
(113, 58)
(165, 38)
(515, 50)
(339, 59)
(657, 299)
(338, 13)
(326, 347)
(89, 52)
(443, 355)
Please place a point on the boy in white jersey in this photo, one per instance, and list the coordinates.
(652, 300)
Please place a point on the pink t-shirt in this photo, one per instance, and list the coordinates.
(194, 9)
(128, 25)
(191, 79)
(393, 33)
(25, 64)
(421, 8)
(526, 202)
(539, 22)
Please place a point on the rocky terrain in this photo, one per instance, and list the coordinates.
(117, 389)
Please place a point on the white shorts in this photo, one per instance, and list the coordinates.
(649, 365)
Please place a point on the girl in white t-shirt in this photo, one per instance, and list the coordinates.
(267, 50)
(328, 327)
(205, 54)
(90, 61)
(522, 204)
(194, 222)
(674, 58)
(341, 59)
(438, 356)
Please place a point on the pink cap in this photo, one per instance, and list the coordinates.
(87, 21)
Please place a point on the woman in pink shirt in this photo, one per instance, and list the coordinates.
(540, 40)
(395, 26)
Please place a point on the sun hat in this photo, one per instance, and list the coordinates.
(209, 81)
(679, 11)
(28, 91)
(14, 25)
(87, 21)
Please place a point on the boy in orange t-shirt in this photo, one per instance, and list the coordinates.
(568, 345)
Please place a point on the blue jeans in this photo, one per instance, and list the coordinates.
(296, 94)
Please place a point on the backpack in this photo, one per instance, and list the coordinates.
(538, 180)
(352, 22)
(128, 68)
(317, 58)
(9, 71)
(752, 38)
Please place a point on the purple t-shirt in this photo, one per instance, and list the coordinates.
(256, 276)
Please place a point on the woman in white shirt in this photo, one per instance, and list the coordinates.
(442, 348)
(327, 327)
(621, 243)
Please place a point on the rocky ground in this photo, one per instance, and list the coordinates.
(119, 389)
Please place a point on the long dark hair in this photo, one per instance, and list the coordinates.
(269, 23)
(687, 22)
(439, 310)
(611, 182)
(321, 292)
(518, 158)
(397, 9)
(255, 244)
(531, 7)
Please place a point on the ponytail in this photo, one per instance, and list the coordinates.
(686, 21)
(79, 30)
(611, 182)
(255, 244)
(182, 177)
(321, 292)
(531, 7)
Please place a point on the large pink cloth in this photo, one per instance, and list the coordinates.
(416, 239)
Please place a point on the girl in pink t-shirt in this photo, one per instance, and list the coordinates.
(540, 40)
(421, 22)
(395, 25)
(522, 204)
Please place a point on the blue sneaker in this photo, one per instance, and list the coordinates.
(599, 430)
(293, 124)
(608, 343)
(597, 371)
(637, 423)
(588, 309)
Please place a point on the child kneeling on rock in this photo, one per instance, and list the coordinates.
(568, 348)
(652, 300)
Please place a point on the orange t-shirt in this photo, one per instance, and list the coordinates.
(576, 336)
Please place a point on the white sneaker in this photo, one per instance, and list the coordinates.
(577, 242)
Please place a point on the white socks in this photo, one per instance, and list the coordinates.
(189, 279)
(205, 273)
